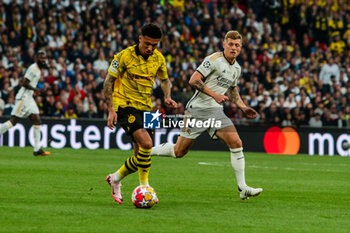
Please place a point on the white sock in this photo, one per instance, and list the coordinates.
(238, 164)
(116, 177)
(6, 126)
(37, 135)
(164, 149)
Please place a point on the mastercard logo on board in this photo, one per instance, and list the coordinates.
(281, 141)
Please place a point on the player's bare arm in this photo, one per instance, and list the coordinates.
(108, 93)
(235, 97)
(26, 84)
(166, 88)
(197, 83)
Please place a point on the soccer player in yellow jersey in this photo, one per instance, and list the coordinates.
(127, 88)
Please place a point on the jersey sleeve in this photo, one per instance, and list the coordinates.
(235, 80)
(30, 73)
(206, 68)
(117, 64)
(162, 72)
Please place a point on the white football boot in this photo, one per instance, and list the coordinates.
(116, 188)
(247, 192)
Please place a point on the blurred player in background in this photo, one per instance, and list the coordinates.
(346, 145)
(218, 74)
(25, 105)
(127, 88)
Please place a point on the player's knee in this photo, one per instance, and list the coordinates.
(235, 143)
(13, 122)
(37, 121)
(239, 143)
(146, 145)
(179, 153)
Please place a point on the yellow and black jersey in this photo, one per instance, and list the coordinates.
(135, 77)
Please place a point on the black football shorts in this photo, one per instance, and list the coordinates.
(131, 120)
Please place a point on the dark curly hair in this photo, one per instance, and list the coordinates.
(151, 30)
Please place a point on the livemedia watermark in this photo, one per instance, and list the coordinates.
(153, 120)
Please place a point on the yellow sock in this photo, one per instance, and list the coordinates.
(144, 165)
(130, 166)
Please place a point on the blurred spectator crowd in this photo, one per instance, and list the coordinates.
(295, 58)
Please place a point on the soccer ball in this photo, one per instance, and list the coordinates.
(144, 196)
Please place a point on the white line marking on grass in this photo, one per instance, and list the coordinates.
(220, 164)
(227, 164)
(317, 164)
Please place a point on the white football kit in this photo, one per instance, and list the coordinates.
(25, 104)
(218, 75)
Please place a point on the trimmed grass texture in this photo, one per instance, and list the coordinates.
(67, 192)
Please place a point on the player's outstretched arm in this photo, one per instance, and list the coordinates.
(234, 96)
(166, 88)
(108, 93)
(197, 83)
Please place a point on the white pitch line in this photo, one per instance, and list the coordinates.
(220, 164)
(227, 164)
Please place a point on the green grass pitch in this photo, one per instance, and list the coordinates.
(67, 192)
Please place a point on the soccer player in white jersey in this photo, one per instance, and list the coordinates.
(25, 105)
(218, 74)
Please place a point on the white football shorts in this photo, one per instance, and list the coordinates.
(25, 107)
(197, 121)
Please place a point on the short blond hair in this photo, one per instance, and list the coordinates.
(234, 35)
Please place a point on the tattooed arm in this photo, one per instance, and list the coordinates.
(234, 96)
(108, 93)
(108, 90)
(197, 83)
